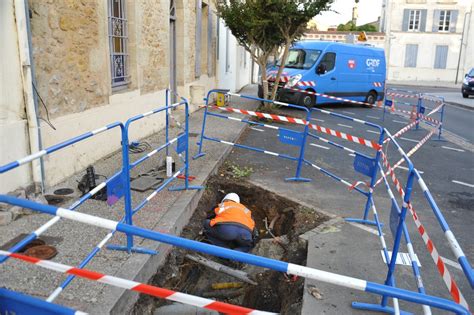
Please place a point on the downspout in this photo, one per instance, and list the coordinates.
(30, 98)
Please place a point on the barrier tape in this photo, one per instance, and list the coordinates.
(434, 121)
(137, 286)
(443, 271)
(401, 95)
(401, 131)
(342, 135)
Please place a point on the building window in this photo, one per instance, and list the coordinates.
(441, 57)
(411, 55)
(414, 20)
(444, 20)
(118, 37)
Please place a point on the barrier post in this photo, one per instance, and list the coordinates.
(373, 180)
(418, 111)
(200, 143)
(186, 152)
(441, 120)
(297, 177)
(129, 248)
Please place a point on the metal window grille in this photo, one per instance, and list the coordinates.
(414, 20)
(441, 57)
(118, 37)
(411, 55)
(444, 20)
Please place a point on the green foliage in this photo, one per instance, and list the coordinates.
(349, 26)
(240, 172)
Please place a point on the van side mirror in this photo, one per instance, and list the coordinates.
(467, 74)
(321, 69)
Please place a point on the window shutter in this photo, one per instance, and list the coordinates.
(406, 16)
(435, 21)
(197, 57)
(411, 54)
(441, 57)
(454, 20)
(209, 43)
(423, 21)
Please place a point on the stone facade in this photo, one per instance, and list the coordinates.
(70, 55)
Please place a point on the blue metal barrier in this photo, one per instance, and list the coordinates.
(311, 273)
(288, 136)
(122, 177)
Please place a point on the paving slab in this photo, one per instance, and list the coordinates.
(168, 212)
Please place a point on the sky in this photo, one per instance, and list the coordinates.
(369, 11)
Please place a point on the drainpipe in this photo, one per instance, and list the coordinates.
(30, 98)
(462, 41)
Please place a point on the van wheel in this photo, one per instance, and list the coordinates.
(307, 100)
(465, 95)
(371, 98)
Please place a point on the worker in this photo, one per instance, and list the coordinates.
(231, 225)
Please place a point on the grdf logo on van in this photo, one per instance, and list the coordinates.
(372, 63)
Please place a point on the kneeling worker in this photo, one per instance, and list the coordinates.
(232, 226)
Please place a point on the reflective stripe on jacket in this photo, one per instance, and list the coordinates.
(233, 212)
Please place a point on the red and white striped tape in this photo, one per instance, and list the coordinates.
(401, 131)
(306, 83)
(283, 78)
(335, 133)
(137, 286)
(401, 95)
(333, 97)
(378, 84)
(368, 143)
(443, 271)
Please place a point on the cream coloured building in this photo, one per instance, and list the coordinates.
(93, 62)
(428, 40)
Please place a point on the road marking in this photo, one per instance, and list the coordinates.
(344, 126)
(256, 129)
(319, 146)
(400, 122)
(453, 149)
(371, 131)
(373, 117)
(352, 154)
(408, 139)
(321, 120)
(463, 183)
(349, 113)
(451, 263)
(365, 228)
(406, 169)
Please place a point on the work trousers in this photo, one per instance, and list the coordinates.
(229, 235)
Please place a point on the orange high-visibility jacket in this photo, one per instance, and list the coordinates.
(233, 212)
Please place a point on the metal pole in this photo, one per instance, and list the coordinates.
(462, 44)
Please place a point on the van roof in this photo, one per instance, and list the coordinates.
(322, 45)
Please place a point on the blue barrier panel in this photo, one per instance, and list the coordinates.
(115, 189)
(388, 103)
(13, 303)
(364, 165)
(287, 136)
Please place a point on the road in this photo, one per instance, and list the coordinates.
(447, 169)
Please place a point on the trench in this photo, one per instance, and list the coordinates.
(274, 291)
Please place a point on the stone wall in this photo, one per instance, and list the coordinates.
(153, 45)
(70, 54)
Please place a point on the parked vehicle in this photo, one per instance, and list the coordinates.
(354, 72)
(468, 84)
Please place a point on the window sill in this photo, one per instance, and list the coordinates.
(120, 88)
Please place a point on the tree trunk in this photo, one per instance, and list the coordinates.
(280, 69)
(264, 81)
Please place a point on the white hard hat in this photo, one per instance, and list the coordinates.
(232, 196)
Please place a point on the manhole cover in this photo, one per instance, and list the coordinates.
(33, 243)
(42, 252)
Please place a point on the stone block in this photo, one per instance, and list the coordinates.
(5, 218)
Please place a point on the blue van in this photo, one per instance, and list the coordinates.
(353, 72)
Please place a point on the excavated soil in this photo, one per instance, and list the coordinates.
(275, 291)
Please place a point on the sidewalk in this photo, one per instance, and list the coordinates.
(167, 212)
